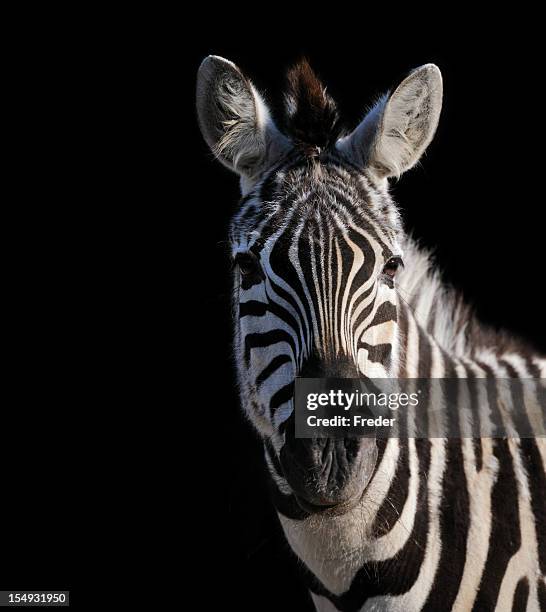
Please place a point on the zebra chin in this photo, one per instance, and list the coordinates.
(328, 475)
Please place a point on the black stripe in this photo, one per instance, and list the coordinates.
(424, 372)
(273, 457)
(306, 262)
(454, 514)
(284, 394)
(379, 353)
(247, 282)
(367, 311)
(252, 308)
(473, 385)
(541, 588)
(532, 367)
(397, 495)
(537, 485)
(403, 339)
(383, 312)
(454, 525)
(285, 270)
(282, 293)
(478, 453)
(425, 354)
(266, 339)
(284, 315)
(521, 595)
(329, 282)
(496, 426)
(381, 446)
(287, 505)
(505, 537)
(518, 414)
(273, 366)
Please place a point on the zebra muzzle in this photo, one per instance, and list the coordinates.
(327, 473)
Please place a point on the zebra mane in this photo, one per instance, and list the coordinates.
(312, 119)
(443, 311)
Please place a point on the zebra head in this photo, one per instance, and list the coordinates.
(316, 242)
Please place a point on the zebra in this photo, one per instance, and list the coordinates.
(328, 284)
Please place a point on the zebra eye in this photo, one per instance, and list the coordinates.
(392, 266)
(247, 263)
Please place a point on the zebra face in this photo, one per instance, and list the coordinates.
(315, 247)
(315, 252)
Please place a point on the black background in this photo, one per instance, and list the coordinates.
(118, 282)
(474, 199)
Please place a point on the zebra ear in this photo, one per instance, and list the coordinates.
(395, 133)
(234, 119)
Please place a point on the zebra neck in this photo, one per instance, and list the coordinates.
(400, 540)
(379, 545)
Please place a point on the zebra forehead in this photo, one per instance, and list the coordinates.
(322, 191)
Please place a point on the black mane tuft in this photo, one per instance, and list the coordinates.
(312, 118)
